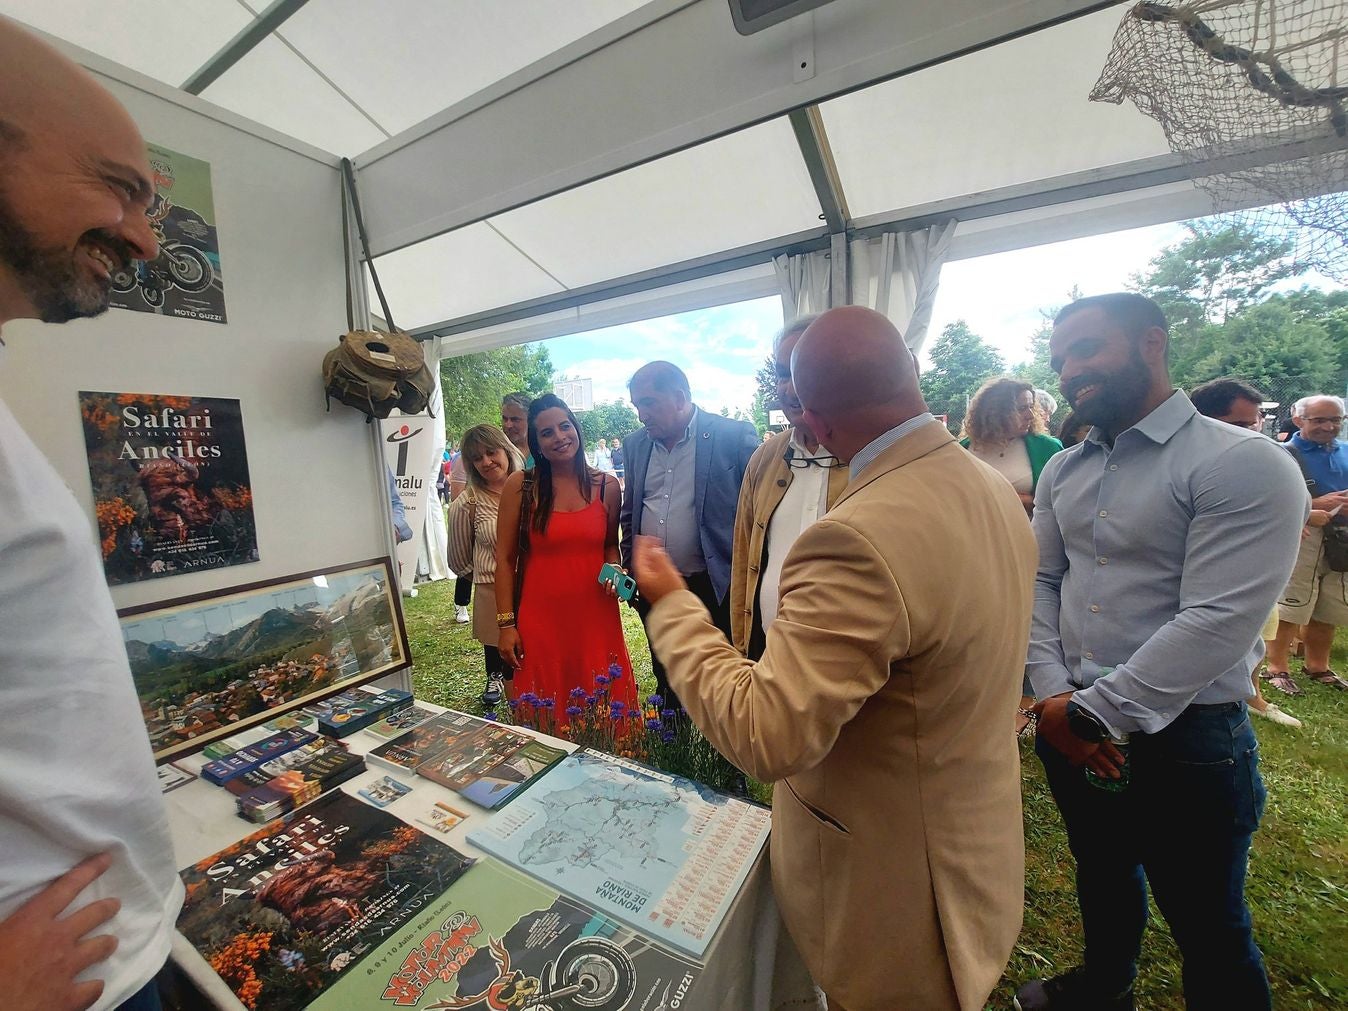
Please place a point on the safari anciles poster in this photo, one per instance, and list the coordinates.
(170, 482)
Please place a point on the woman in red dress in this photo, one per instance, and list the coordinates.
(567, 630)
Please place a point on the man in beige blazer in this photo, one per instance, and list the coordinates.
(881, 708)
(791, 481)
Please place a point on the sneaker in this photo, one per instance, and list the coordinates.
(461, 614)
(1069, 992)
(1273, 714)
(495, 689)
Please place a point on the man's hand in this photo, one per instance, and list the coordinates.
(656, 576)
(1331, 501)
(40, 955)
(1103, 759)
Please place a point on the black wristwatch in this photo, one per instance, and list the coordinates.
(1085, 724)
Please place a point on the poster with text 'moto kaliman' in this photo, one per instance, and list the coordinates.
(170, 483)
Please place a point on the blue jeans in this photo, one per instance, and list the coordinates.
(145, 999)
(1183, 825)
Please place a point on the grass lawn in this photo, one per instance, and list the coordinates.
(1298, 884)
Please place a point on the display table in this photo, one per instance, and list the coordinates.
(750, 964)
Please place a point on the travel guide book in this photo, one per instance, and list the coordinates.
(269, 770)
(222, 770)
(499, 940)
(284, 913)
(399, 723)
(406, 752)
(359, 715)
(295, 787)
(491, 764)
(664, 854)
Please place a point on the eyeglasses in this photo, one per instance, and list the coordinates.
(1336, 422)
(804, 462)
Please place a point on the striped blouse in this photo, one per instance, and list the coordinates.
(471, 548)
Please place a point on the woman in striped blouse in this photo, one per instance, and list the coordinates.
(490, 460)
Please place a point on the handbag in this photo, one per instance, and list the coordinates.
(1335, 542)
(522, 544)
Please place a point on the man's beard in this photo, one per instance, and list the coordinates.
(48, 278)
(1118, 398)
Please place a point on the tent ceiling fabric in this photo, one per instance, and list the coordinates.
(1010, 114)
(164, 39)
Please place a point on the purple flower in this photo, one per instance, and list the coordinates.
(599, 679)
(578, 693)
(514, 704)
(615, 715)
(655, 700)
(574, 711)
(547, 703)
(667, 737)
(530, 698)
(668, 714)
(490, 716)
(653, 724)
(619, 706)
(615, 671)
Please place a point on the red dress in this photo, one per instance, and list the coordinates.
(568, 625)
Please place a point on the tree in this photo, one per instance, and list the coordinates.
(474, 384)
(1218, 272)
(1269, 346)
(960, 362)
(765, 394)
(613, 421)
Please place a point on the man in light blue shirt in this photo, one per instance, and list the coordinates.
(1164, 540)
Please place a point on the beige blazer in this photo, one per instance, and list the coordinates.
(764, 487)
(883, 710)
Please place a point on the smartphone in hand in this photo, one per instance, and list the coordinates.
(623, 584)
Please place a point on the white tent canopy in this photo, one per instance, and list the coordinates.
(538, 167)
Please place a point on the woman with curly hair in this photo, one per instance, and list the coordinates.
(1004, 430)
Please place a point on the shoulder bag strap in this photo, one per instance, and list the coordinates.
(1301, 462)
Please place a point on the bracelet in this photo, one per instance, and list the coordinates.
(1029, 714)
(505, 619)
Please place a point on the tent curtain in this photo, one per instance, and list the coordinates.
(897, 273)
(432, 561)
(804, 282)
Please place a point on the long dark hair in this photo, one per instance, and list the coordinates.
(581, 470)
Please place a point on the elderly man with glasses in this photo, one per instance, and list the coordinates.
(791, 481)
(1317, 594)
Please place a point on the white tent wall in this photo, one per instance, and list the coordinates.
(315, 485)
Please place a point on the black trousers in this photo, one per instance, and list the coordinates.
(700, 584)
(463, 589)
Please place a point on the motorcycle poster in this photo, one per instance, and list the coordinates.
(185, 279)
(170, 481)
(500, 941)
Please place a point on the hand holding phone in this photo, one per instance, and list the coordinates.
(624, 586)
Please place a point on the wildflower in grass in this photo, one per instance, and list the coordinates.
(658, 701)
(600, 679)
(653, 724)
(574, 711)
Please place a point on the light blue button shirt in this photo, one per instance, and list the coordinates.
(1160, 557)
(877, 446)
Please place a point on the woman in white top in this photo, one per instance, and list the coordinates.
(472, 538)
(603, 460)
(1005, 430)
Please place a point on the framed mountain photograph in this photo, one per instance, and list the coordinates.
(210, 665)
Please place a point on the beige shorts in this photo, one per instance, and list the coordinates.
(1314, 593)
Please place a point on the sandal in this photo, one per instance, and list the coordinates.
(1282, 680)
(1328, 677)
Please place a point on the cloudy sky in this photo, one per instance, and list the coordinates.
(1000, 296)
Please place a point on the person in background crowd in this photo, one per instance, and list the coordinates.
(791, 481)
(1005, 430)
(1047, 407)
(442, 479)
(515, 424)
(1072, 431)
(1164, 539)
(1287, 429)
(1316, 596)
(880, 705)
(472, 539)
(89, 891)
(559, 524)
(603, 461)
(1237, 403)
(463, 581)
(687, 466)
(616, 458)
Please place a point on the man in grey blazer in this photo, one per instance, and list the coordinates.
(684, 468)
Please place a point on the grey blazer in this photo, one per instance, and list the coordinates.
(723, 450)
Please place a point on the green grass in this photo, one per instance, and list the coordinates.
(1298, 882)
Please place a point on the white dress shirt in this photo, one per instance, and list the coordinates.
(806, 499)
